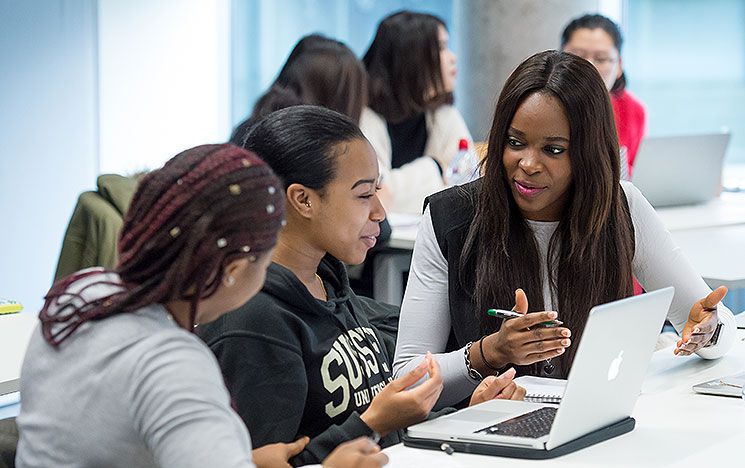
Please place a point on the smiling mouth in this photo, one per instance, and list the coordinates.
(370, 241)
(528, 190)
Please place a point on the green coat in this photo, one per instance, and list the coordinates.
(93, 232)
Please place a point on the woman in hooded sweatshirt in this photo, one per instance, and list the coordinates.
(114, 376)
(304, 343)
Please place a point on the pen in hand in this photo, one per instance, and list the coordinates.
(508, 314)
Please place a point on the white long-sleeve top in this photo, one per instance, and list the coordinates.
(425, 316)
(412, 182)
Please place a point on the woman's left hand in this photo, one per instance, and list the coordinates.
(701, 324)
(502, 387)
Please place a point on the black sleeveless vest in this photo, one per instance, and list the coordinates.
(452, 211)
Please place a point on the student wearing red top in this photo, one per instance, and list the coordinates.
(598, 40)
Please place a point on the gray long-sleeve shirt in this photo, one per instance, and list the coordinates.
(130, 390)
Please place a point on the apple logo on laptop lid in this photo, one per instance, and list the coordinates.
(615, 366)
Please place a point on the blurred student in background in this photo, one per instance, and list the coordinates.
(598, 40)
(411, 122)
(319, 71)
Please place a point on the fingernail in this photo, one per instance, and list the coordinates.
(566, 342)
(552, 315)
(566, 333)
(510, 371)
(561, 350)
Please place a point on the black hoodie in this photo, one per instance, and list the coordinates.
(298, 366)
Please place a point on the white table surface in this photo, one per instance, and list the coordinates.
(15, 331)
(727, 210)
(675, 427)
(717, 253)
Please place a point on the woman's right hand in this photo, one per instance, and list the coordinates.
(522, 340)
(397, 406)
(358, 453)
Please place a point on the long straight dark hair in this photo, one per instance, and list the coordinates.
(591, 251)
(403, 62)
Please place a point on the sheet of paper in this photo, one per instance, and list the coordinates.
(542, 385)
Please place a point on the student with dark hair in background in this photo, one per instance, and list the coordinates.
(113, 376)
(302, 358)
(550, 229)
(411, 122)
(319, 71)
(598, 40)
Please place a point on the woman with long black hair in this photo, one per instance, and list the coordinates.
(548, 229)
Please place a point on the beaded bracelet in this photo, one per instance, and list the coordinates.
(472, 373)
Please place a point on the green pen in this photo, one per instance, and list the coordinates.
(508, 314)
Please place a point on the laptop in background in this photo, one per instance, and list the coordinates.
(609, 367)
(680, 170)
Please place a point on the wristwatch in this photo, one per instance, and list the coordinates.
(715, 337)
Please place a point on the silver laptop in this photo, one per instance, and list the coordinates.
(608, 369)
(680, 170)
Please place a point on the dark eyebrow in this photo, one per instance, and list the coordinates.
(552, 138)
(558, 138)
(363, 181)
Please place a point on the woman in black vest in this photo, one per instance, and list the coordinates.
(547, 229)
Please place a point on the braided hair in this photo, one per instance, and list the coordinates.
(205, 208)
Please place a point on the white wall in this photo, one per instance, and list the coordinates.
(164, 79)
(47, 135)
(89, 85)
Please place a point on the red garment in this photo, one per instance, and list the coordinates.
(629, 114)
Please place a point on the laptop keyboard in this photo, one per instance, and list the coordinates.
(529, 425)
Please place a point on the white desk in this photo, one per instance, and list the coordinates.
(15, 331)
(717, 253)
(727, 210)
(675, 427)
(712, 235)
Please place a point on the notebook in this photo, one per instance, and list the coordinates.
(609, 366)
(542, 389)
(680, 170)
(9, 307)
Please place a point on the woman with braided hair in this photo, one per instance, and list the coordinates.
(113, 376)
